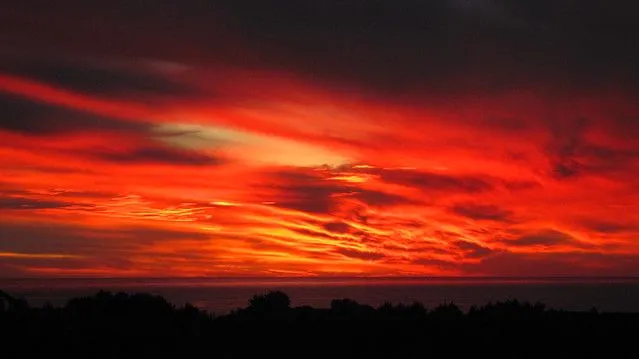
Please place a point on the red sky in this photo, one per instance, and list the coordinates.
(374, 139)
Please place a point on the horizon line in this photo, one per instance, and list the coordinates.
(438, 277)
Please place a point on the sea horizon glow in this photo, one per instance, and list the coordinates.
(221, 296)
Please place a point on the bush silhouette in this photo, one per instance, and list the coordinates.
(449, 311)
(9, 303)
(121, 325)
(272, 301)
(348, 308)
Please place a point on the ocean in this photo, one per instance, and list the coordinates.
(223, 295)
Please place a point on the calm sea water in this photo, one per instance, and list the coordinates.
(223, 295)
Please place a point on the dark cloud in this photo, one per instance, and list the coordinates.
(548, 238)
(482, 212)
(306, 197)
(310, 191)
(10, 270)
(437, 263)
(521, 185)
(512, 125)
(383, 45)
(473, 250)
(566, 169)
(610, 155)
(563, 149)
(92, 78)
(126, 29)
(608, 226)
(445, 235)
(417, 249)
(368, 256)
(34, 118)
(615, 163)
(50, 238)
(554, 264)
(436, 182)
(337, 227)
(157, 155)
(377, 198)
(321, 198)
(572, 154)
(15, 203)
(444, 46)
(625, 126)
(68, 262)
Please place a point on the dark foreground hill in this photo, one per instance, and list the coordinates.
(122, 325)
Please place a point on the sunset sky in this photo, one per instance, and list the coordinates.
(319, 138)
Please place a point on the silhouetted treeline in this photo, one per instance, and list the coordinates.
(121, 325)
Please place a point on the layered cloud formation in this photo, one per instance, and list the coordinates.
(250, 138)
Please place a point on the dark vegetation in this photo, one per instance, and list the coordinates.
(121, 325)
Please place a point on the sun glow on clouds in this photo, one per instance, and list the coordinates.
(247, 147)
(183, 165)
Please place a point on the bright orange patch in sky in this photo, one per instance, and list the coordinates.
(266, 172)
